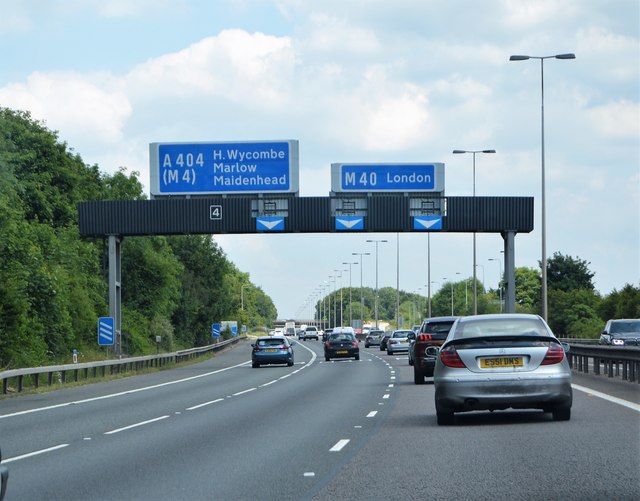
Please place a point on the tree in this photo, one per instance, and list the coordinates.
(566, 273)
(528, 287)
(624, 303)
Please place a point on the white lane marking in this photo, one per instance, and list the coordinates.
(112, 395)
(372, 414)
(386, 396)
(309, 474)
(339, 445)
(270, 382)
(391, 385)
(610, 398)
(35, 453)
(142, 423)
(205, 403)
(243, 392)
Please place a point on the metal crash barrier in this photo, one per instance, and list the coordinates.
(59, 374)
(621, 362)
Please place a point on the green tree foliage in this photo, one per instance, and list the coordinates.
(566, 273)
(528, 290)
(624, 303)
(573, 313)
(53, 283)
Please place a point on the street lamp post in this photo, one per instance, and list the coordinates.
(443, 279)
(544, 207)
(350, 308)
(475, 290)
(376, 298)
(361, 293)
(499, 280)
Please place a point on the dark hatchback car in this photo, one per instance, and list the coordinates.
(433, 332)
(385, 340)
(373, 338)
(621, 332)
(341, 344)
(272, 350)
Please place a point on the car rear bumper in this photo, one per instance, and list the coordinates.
(338, 353)
(272, 358)
(459, 396)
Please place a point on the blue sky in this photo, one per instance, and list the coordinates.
(358, 81)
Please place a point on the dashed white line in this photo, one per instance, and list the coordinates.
(386, 396)
(35, 453)
(339, 445)
(372, 414)
(142, 423)
(243, 392)
(205, 403)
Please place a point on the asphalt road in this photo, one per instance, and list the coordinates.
(339, 430)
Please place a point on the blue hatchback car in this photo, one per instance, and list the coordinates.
(272, 350)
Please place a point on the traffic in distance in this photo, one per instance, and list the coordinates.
(482, 362)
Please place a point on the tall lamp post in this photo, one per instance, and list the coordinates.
(475, 288)
(544, 206)
(376, 298)
(350, 308)
(361, 293)
(443, 279)
(499, 280)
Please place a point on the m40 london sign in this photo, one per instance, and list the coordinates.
(410, 177)
(224, 168)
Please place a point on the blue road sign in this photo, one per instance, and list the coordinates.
(105, 331)
(215, 330)
(234, 330)
(387, 177)
(225, 167)
(244, 328)
(427, 223)
(349, 222)
(269, 223)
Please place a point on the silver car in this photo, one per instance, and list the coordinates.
(491, 362)
(398, 342)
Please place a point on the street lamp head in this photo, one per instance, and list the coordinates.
(488, 151)
(456, 152)
(519, 58)
(565, 56)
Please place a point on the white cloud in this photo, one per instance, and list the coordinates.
(618, 119)
(82, 106)
(239, 66)
(533, 12)
(330, 33)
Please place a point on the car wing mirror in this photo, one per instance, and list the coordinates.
(4, 479)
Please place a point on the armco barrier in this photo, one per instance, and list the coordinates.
(96, 369)
(611, 361)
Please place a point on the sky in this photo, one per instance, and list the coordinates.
(362, 82)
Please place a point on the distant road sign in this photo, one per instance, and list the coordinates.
(215, 330)
(105, 331)
(349, 223)
(387, 177)
(426, 223)
(224, 168)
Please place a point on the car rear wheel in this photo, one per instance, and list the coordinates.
(445, 418)
(290, 364)
(357, 357)
(410, 360)
(326, 359)
(366, 345)
(418, 377)
(561, 413)
(255, 365)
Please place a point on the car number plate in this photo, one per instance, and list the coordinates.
(341, 352)
(489, 363)
(271, 350)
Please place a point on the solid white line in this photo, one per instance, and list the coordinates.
(206, 403)
(610, 398)
(136, 425)
(372, 414)
(339, 445)
(243, 392)
(36, 453)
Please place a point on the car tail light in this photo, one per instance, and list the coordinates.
(449, 357)
(555, 355)
(393, 342)
(355, 343)
(327, 344)
(424, 337)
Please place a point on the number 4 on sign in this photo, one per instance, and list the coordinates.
(215, 212)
